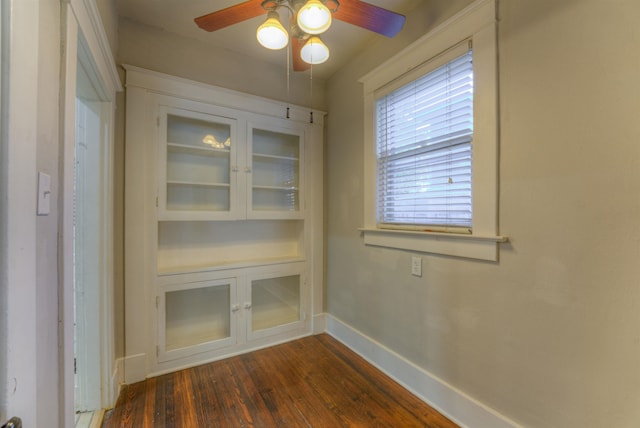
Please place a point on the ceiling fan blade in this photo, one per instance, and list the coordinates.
(296, 47)
(373, 18)
(231, 15)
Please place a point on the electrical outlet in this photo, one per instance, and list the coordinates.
(416, 266)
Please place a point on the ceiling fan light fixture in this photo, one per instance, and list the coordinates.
(271, 34)
(314, 51)
(314, 17)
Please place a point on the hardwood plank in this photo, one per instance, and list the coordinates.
(311, 382)
(387, 391)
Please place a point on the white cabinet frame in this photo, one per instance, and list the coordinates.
(164, 353)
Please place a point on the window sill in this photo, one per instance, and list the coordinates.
(449, 244)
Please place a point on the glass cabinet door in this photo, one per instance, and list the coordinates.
(197, 317)
(276, 159)
(275, 304)
(198, 154)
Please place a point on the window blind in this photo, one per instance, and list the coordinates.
(424, 133)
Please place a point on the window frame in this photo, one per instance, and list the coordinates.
(477, 23)
(394, 109)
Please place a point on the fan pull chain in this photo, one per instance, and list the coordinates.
(288, 85)
(311, 92)
(288, 81)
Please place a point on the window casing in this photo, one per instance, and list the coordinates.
(476, 24)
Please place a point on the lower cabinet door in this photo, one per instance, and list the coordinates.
(276, 303)
(196, 317)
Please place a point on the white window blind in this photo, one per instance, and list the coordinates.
(424, 133)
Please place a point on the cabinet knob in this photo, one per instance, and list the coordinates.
(247, 305)
(247, 169)
(235, 308)
(234, 168)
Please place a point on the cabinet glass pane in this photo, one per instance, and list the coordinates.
(198, 133)
(198, 164)
(197, 315)
(275, 199)
(184, 197)
(275, 301)
(275, 171)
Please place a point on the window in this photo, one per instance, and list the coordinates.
(431, 168)
(424, 132)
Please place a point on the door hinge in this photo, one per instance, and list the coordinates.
(156, 202)
(157, 351)
(75, 366)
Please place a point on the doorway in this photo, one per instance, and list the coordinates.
(88, 244)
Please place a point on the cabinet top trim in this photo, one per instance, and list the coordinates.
(177, 86)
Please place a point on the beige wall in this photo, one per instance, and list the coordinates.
(550, 335)
(159, 50)
(109, 16)
(46, 123)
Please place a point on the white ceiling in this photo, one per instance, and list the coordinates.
(176, 16)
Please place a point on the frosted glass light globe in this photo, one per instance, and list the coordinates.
(314, 51)
(271, 34)
(314, 17)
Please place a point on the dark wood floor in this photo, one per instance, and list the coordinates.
(311, 382)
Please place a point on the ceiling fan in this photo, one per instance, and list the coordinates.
(309, 18)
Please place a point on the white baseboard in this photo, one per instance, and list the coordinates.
(117, 380)
(319, 323)
(454, 404)
(135, 368)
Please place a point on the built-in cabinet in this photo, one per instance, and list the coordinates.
(223, 202)
(197, 315)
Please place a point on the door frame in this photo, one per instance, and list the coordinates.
(86, 43)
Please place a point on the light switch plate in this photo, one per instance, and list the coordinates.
(416, 266)
(44, 193)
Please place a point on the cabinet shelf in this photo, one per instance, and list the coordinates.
(228, 264)
(200, 151)
(284, 188)
(197, 184)
(275, 157)
(196, 246)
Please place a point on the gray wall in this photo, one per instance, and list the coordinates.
(550, 335)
